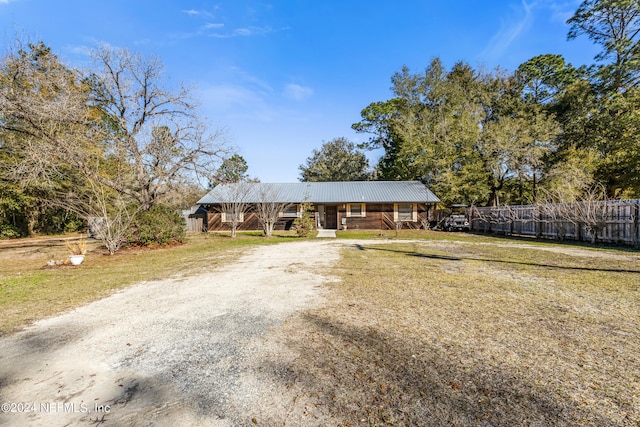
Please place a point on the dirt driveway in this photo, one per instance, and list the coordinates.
(174, 352)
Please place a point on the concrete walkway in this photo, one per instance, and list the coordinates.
(326, 233)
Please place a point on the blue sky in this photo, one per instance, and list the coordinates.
(284, 76)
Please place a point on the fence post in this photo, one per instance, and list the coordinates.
(636, 224)
(512, 220)
(538, 222)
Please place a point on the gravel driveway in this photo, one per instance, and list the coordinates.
(177, 352)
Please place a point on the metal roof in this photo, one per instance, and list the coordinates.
(323, 192)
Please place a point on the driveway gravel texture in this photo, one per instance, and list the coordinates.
(178, 352)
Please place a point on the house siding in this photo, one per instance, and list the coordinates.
(250, 223)
(379, 216)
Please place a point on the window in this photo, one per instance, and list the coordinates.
(228, 217)
(290, 211)
(405, 212)
(356, 210)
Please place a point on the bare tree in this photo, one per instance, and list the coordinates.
(157, 131)
(115, 214)
(57, 122)
(269, 207)
(592, 211)
(234, 204)
(588, 212)
(109, 213)
(554, 211)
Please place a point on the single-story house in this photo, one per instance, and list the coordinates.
(336, 205)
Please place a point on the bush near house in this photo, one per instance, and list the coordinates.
(158, 226)
(304, 223)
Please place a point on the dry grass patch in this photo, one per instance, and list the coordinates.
(30, 291)
(439, 334)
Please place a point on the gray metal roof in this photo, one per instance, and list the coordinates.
(323, 192)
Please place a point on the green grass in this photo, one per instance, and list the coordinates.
(31, 291)
(422, 235)
(469, 332)
(475, 237)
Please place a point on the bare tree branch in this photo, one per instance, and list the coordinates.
(270, 207)
(234, 205)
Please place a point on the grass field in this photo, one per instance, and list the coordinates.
(475, 331)
(29, 290)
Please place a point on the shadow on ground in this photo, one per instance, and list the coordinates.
(364, 377)
(492, 260)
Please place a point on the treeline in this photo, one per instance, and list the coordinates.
(112, 143)
(548, 130)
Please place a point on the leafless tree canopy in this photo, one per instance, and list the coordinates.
(235, 205)
(269, 208)
(156, 131)
(591, 210)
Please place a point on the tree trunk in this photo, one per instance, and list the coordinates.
(32, 221)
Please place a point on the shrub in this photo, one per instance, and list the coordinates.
(304, 224)
(158, 226)
(8, 231)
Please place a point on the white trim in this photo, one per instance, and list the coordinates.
(363, 210)
(224, 217)
(414, 212)
(298, 213)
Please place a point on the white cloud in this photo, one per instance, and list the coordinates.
(244, 32)
(226, 96)
(249, 79)
(511, 27)
(297, 92)
(250, 100)
(213, 25)
(80, 50)
(233, 101)
(194, 12)
(561, 11)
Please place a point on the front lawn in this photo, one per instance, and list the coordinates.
(474, 332)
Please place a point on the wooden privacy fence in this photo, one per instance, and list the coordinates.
(612, 221)
(195, 223)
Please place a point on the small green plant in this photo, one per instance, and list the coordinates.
(305, 222)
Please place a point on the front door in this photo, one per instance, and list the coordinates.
(331, 217)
